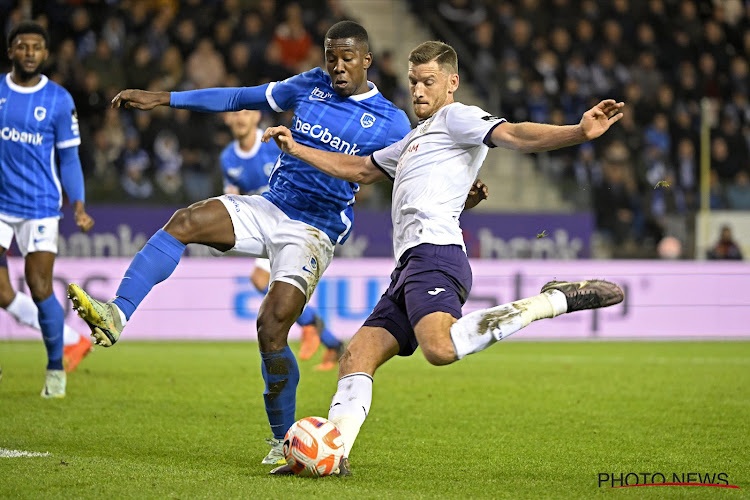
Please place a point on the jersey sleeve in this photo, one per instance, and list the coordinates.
(67, 133)
(283, 95)
(387, 159)
(471, 125)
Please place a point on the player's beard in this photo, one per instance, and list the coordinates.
(24, 75)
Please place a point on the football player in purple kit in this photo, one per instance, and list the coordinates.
(433, 169)
(38, 130)
(296, 223)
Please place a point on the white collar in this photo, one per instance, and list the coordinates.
(372, 92)
(253, 151)
(25, 90)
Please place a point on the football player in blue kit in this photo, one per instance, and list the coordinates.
(38, 130)
(246, 165)
(296, 223)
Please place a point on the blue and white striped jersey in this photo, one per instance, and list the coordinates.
(34, 122)
(356, 125)
(249, 171)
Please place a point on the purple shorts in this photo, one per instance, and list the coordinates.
(4, 259)
(428, 278)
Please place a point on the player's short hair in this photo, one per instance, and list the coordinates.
(349, 29)
(25, 27)
(441, 52)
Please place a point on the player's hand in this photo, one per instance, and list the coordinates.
(83, 220)
(283, 138)
(140, 99)
(598, 119)
(477, 193)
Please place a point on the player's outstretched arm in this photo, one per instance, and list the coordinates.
(477, 193)
(342, 166)
(530, 137)
(140, 99)
(213, 100)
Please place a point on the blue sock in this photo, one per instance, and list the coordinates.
(329, 339)
(280, 371)
(307, 317)
(51, 321)
(153, 264)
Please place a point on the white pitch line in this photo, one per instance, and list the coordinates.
(6, 453)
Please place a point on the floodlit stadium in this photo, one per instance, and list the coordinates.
(599, 346)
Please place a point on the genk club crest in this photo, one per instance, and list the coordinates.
(367, 120)
(39, 113)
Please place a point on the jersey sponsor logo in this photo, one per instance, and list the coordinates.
(39, 113)
(319, 95)
(2, 101)
(13, 135)
(367, 120)
(413, 148)
(491, 118)
(436, 291)
(324, 135)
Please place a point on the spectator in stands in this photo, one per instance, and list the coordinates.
(616, 200)
(135, 163)
(726, 248)
(205, 66)
(738, 193)
(293, 40)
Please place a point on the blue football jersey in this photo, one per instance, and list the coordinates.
(356, 125)
(249, 171)
(34, 122)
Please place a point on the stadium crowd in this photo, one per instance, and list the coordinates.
(538, 60)
(168, 155)
(549, 60)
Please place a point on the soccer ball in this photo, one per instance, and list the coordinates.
(313, 447)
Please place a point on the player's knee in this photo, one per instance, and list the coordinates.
(6, 297)
(439, 354)
(182, 225)
(274, 322)
(40, 289)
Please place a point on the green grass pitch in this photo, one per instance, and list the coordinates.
(520, 420)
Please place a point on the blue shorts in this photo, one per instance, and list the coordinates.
(428, 278)
(4, 259)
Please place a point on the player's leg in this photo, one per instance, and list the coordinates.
(387, 332)
(23, 309)
(277, 313)
(480, 329)
(312, 326)
(207, 222)
(369, 349)
(260, 277)
(314, 333)
(38, 270)
(299, 254)
(7, 294)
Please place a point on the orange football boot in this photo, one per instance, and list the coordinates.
(74, 354)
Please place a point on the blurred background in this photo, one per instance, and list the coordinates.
(671, 180)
